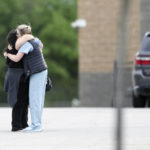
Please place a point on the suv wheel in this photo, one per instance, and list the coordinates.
(138, 101)
(148, 105)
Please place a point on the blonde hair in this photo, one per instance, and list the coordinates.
(24, 29)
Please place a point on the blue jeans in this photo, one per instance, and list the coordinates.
(37, 87)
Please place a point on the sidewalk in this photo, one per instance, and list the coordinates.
(79, 129)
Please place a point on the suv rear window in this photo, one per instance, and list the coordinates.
(145, 45)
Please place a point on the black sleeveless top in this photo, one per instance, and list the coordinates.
(12, 64)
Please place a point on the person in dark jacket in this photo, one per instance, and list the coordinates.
(16, 86)
(35, 67)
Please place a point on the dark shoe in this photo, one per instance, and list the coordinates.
(16, 129)
(24, 126)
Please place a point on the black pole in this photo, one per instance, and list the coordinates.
(120, 62)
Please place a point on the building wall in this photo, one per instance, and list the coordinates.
(145, 19)
(97, 48)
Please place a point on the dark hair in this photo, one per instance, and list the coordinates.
(12, 38)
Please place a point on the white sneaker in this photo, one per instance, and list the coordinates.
(33, 129)
(38, 129)
(28, 129)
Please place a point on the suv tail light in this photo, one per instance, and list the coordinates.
(142, 60)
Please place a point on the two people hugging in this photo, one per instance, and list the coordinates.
(26, 78)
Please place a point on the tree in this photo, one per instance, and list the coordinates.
(51, 22)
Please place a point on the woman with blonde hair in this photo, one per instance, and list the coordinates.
(26, 34)
(36, 69)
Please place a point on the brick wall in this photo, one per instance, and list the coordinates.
(98, 41)
(98, 44)
(134, 29)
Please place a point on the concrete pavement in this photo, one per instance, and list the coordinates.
(79, 129)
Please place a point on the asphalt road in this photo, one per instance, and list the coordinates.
(79, 129)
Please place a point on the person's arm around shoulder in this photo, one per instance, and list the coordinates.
(15, 58)
(39, 43)
(25, 49)
(22, 40)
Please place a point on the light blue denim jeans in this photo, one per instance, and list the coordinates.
(37, 87)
